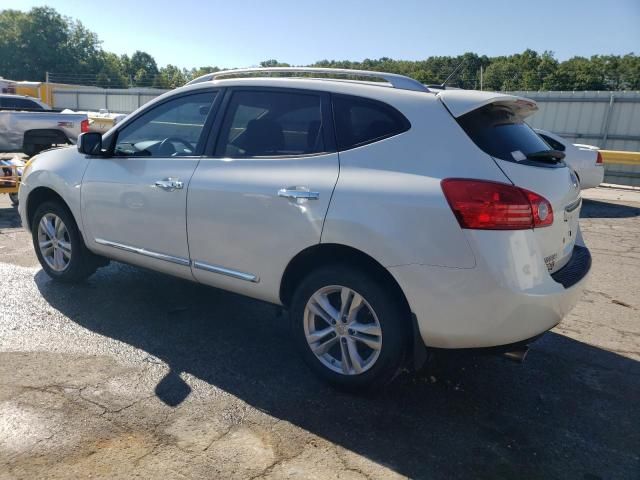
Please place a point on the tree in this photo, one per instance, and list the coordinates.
(170, 77)
(143, 69)
(273, 63)
(112, 72)
(42, 40)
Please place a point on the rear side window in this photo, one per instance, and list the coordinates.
(552, 143)
(11, 102)
(501, 133)
(360, 121)
(270, 123)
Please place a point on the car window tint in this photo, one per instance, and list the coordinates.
(552, 143)
(172, 129)
(267, 123)
(10, 102)
(360, 121)
(501, 133)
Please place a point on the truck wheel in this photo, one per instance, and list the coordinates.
(34, 149)
(350, 329)
(59, 245)
(14, 199)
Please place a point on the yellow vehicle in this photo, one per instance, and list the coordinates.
(10, 175)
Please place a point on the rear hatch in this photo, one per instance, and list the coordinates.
(496, 123)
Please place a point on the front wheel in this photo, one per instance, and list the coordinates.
(351, 329)
(59, 245)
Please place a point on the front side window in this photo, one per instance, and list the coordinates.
(360, 121)
(172, 129)
(268, 123)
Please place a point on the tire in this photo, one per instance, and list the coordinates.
(14, 199)
(78, 262)
(34, 149)
(373, 368)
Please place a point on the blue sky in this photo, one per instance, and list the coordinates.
(239, 33)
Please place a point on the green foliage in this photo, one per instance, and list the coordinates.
(41, 40)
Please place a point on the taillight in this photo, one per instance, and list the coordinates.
(84, 126)
(487, 205)
(599, 159)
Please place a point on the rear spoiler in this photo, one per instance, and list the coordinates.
(461, 102)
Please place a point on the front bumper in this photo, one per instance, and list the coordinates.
(488, 307)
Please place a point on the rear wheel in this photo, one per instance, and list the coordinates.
(351, 330)
(59, 245)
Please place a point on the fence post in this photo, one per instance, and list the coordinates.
(49, 99)
(77, 99)
(607, 121)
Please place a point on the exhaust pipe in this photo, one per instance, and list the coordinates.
(518, 355)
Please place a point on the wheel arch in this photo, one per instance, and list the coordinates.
(328, 253)
(40, 195)
(333, 253)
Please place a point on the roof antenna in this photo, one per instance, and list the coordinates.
(443, 85)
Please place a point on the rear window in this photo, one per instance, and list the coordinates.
(502, 134)
(360, 121)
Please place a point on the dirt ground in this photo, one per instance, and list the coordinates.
(137, 375)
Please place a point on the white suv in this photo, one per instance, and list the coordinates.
(384, 216)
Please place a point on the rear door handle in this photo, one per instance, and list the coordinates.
(169, 184)
(296, 193)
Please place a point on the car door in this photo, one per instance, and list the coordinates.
(134, 201)
(262, 196)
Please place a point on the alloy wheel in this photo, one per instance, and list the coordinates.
(54, 242)
(342, 330)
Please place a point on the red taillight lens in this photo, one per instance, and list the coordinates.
(84, 126)
(486, 205)
(599, 159)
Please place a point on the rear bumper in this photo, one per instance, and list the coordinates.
(496, 303)
(591, 177)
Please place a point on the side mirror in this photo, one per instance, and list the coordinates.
(90, 143)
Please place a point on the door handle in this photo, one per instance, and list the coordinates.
(169, 184)
(296, 193)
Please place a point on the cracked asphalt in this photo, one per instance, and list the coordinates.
(138, 375)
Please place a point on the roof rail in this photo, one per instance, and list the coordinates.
(397, 81)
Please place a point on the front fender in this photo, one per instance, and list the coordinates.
(59, 170)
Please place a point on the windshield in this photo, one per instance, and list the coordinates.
(502, 134)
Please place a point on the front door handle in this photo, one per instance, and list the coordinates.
(296, 193)
(170, 184)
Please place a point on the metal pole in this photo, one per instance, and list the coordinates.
(480, 77)
(607, 121)
(46, 80)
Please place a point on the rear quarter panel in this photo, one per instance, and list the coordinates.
(388, 201)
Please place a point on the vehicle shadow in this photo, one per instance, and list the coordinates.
(567, 413)
(600, 209)
(9, 217)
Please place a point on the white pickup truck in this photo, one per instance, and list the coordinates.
(29, 126)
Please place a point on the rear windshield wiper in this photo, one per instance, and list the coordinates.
(553, 155)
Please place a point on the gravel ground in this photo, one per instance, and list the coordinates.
(134, 374)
